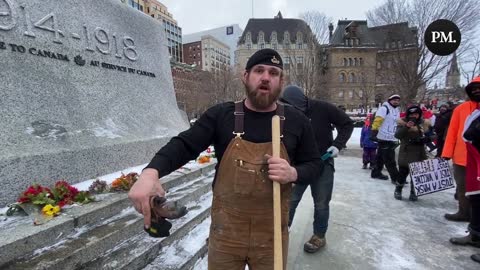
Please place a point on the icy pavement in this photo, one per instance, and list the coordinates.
(369, 229)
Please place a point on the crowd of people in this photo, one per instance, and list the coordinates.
(454, 133)
(241, 231)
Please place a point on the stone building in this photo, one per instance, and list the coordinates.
(292, 38)
(362, 62)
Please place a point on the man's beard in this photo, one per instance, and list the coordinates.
(259, 100)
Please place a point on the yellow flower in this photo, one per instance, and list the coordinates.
(50, 210)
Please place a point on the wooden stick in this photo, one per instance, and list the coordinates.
(277, 213)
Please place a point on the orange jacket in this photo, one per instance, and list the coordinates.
(455, 147)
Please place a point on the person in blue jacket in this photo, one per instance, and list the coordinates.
(369, 147)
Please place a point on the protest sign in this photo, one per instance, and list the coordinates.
(431, 175)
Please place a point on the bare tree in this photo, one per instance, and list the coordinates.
(420, 13)
(471, 64)
(318, 22)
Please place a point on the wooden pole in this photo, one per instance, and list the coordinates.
(277, 212)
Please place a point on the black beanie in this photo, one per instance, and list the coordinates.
(294, 96)
(265, 57)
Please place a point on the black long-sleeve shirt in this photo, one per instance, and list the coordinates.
(324, 116)
(216, 126)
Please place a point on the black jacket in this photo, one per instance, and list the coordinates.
(441, 124)
(324, 117)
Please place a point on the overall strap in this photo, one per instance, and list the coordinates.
(239, 117)
(239, 114)
(281, 113)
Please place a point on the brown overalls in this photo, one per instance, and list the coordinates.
(241, 232)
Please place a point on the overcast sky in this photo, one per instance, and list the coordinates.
(197, 15)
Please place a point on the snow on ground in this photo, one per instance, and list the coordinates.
(354, 141)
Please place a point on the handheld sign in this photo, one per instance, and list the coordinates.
(431, 175)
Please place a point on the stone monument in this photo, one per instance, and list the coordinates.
(85, 90)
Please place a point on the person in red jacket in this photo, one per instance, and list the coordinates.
(471, 135)
(455, 149)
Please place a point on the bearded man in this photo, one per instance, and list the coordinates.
(241, 231)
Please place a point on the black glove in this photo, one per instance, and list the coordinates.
(373, 135)
(160, 211)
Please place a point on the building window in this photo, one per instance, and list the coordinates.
(345, 62)
(274, 46)
(299, 46)
(248, 37)
(387, 45)
(351, 78)
(399, 44)
(299, 62)
(360, 93)
(286, 38)
(361, 61)
(350, 62)
(341, 77)
(262, 46)
(355, 62)
(340, 94)
(249, 46)
(350, 94)
(357, 41)
(379, 65)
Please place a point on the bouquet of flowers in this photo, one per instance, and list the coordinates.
(124, 182)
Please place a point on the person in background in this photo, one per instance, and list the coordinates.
(441, 126)
(383, 131)
(427, 114)
(455, 149)
(412, 132)
(471, 135)
(369, 147)
(323, 116)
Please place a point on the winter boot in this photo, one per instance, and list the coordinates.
(413, 197)
(476, 257)
(364, 166)
(315, 243)
(398, 192)
(463, 213)
(380, 176)
(468, 240)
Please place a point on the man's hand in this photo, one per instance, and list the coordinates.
(146, 186)
(280, 171)
(410, 124)
(334, 150)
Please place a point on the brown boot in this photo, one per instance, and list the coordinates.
(468, 240)
(314, 244)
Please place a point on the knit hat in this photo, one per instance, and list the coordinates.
(294, 96)
(265, 57)
(395, 96)
(414, 109)
(469, 88)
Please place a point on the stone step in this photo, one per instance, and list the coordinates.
(21, 237)
(183, 253)
(139, 251)
(74, 251)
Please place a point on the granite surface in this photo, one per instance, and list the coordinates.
(86, 89)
